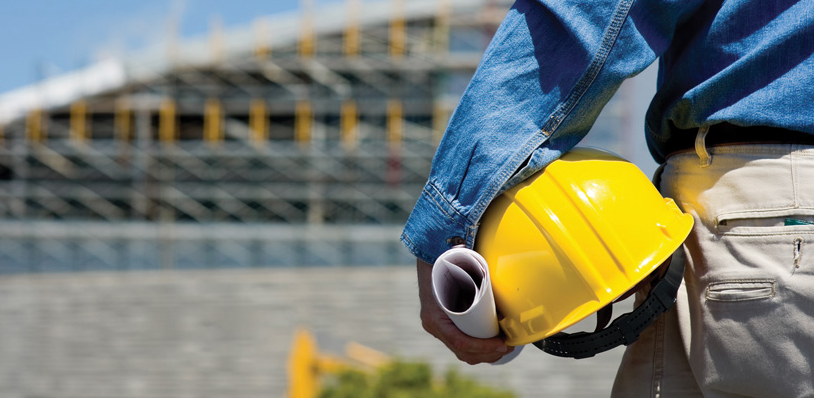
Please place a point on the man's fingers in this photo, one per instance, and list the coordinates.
(469, 349)
(461, 342)
(436, 322)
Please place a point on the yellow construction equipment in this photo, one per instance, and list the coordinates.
(123, 120)
(398, 30)
(167, 122)
(349, 122)
(79, 118)
(351, 44)
(307, 38)
(213, 126)
(258, 122)
(302, 123)
(35, 126)
(395, 123)
(306, 364)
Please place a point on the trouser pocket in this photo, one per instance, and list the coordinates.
(751, 310)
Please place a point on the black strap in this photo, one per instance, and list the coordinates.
(623, 330)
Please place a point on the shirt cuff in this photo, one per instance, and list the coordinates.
(435, 225)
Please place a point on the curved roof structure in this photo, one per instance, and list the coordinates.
(279, 31)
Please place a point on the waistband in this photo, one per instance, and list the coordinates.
(753, 180)
(729, 134)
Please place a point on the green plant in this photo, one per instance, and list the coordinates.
(401, 379)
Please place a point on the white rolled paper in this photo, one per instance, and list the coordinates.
(463, 289)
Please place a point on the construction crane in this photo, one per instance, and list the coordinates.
(306, 365)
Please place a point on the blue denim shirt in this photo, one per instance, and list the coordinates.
(553, 64)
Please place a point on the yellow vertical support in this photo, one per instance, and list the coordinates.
(398, 34)
(262, 42)
(352, 44)
(123, 120)
(79, 118)
(302, 122)
(440, 118)
(302, 372)
(213, 128)
(349, 123)
(167, 124)
(395, 123)
(34, 126)
(441, 31)
(258, 122)
(307, 39)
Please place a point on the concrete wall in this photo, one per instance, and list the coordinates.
(227, 333)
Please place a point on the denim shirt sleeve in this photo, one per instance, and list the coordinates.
(543, 80)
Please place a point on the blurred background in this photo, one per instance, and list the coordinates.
(184, 184)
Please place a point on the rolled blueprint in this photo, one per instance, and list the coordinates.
(462, 288)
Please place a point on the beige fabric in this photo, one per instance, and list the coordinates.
(743, 325)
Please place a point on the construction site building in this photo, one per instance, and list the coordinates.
(301, 139)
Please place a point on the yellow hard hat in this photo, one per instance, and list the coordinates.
(573, 238)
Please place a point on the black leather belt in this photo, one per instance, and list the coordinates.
(730, 134)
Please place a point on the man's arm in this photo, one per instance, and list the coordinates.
(550, 68)
(541, 84)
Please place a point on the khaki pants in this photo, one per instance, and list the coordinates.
(743, 325)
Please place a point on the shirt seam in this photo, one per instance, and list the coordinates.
(597, 63)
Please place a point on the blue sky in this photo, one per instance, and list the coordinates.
(45, 37)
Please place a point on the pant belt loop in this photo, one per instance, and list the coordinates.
(701, 146)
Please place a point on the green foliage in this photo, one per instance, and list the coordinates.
(349, 384)
(402, 379)
(457, 385)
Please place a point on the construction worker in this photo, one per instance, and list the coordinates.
(732, 125)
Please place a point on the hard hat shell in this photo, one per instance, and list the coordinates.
(573, 238)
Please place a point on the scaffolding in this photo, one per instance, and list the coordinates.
(334, 126)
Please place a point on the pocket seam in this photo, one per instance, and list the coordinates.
(754, 230)
(767, 283)
(769, 231)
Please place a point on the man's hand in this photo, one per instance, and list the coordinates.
(436, 322)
